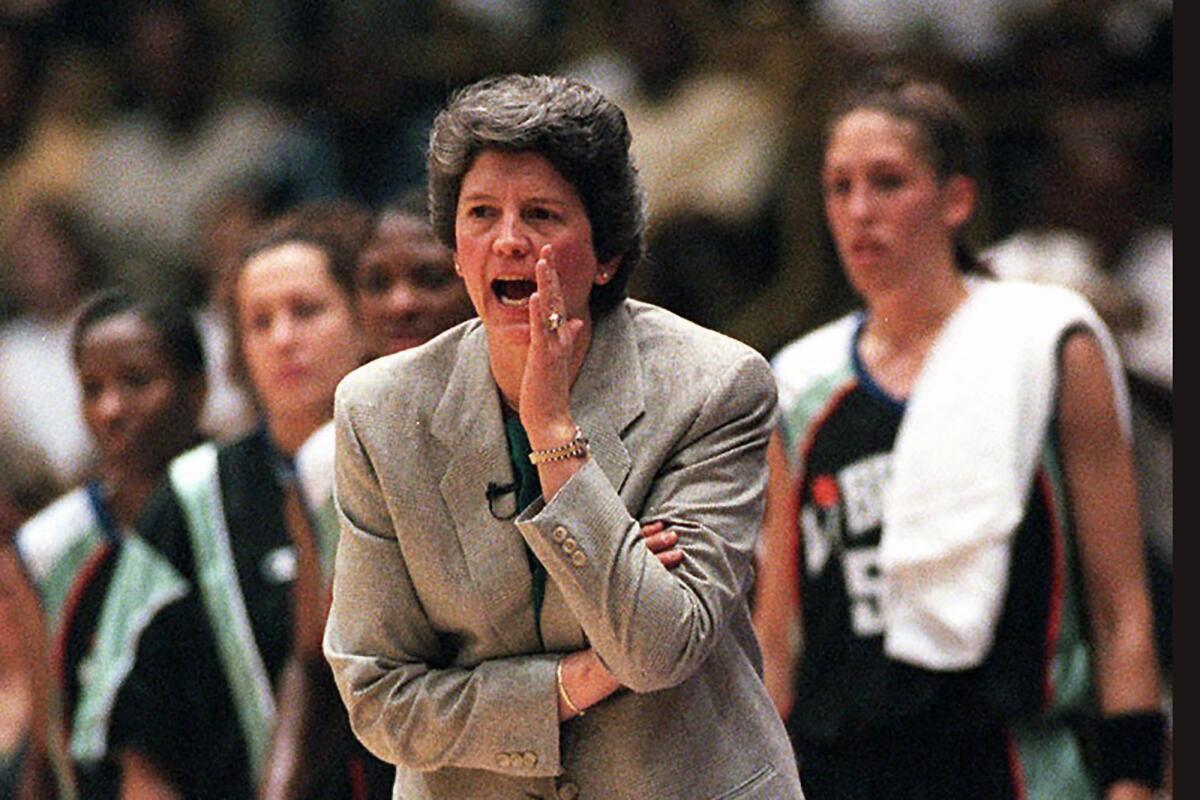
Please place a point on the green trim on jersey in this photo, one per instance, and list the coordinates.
(195, 479)
(1051, 762)
(1071, 669)
(809, 372)
(71, 516)
(797, 418)
(142, 584)
(56, 586)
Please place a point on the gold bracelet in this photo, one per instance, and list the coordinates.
(576, 448)
(562, 690)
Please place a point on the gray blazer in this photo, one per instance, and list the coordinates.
(432, 636)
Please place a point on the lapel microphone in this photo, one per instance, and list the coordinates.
(496, 490)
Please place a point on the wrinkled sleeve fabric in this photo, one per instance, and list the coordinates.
(654, 628)
(406, 705)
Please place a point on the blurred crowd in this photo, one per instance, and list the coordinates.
(141, 141)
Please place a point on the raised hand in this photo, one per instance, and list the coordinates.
(555, 345)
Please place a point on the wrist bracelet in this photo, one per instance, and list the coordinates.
(562, 690)
(1131, 747)
(576, 448)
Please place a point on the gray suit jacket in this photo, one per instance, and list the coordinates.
(432, 635)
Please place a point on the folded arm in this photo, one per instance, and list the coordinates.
(653, 627)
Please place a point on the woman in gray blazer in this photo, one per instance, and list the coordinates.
(499, 629)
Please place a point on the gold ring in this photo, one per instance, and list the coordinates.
(554, 321)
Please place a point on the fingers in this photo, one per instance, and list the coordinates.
(548, 300)
(548, 286)
(657, 537)
(661, 542)
(652, 527)
(658, 542)
(670, 558)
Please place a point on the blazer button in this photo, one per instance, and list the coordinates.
(578, 558)
(529, 760)
(570, 546)
(559, 534)
(503, 760)
(567, 791)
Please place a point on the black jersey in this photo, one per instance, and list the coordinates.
(855, 705)
(255, 560)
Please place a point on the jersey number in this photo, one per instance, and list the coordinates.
(864, 585)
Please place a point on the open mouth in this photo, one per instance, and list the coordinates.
(513, 291)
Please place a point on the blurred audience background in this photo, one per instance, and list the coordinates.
(148, 118)
(141, 139)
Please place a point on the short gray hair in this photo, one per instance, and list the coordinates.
(576, 128)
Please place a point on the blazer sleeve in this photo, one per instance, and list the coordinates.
(654, 628)
(405, 705)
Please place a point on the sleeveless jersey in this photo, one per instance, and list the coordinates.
(840, 429)
(219, 520)
(98, 589)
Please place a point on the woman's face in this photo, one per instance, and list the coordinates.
(299, 335)
(887, 210)
(407, 290)
(509, 206)
(135, 403)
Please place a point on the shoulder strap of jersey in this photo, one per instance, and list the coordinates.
(142, 584)
(195, 479)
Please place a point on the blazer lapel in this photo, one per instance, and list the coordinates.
(608, 396)
(469, 422)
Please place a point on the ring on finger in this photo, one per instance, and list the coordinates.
(554, 321)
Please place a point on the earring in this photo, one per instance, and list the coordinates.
(457, 267)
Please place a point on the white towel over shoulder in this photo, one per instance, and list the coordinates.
(963, 466)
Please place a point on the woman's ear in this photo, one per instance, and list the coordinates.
(607, 271)
(959, 194)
